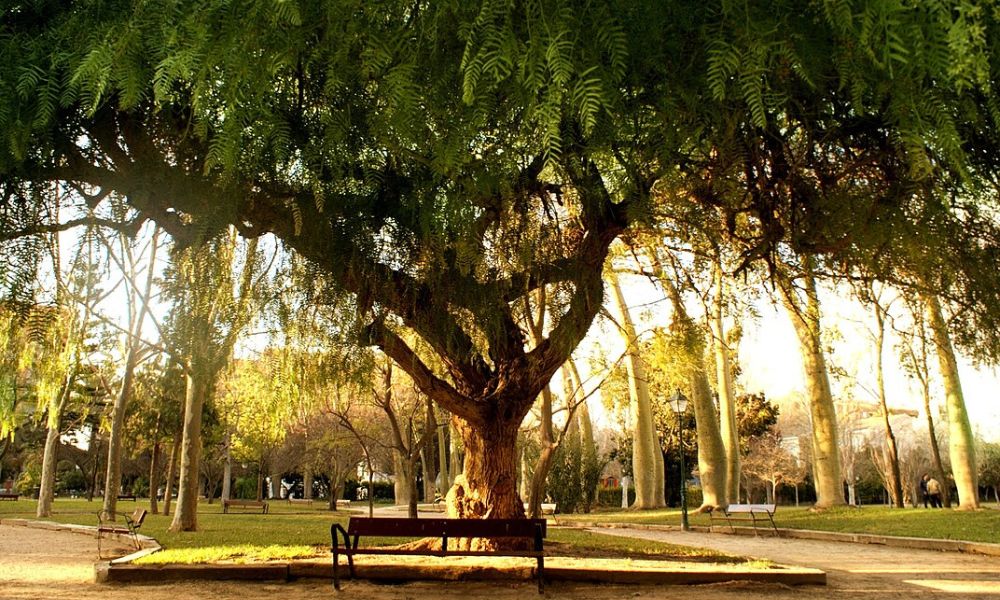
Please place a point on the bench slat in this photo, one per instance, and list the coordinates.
(488, 528)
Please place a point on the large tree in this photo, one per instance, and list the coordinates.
(439, 161)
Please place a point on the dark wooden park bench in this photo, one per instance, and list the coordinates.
(127, 497)
(106, 527)
(227, 504)
(747, 512)
(9, 496)
(530, 529)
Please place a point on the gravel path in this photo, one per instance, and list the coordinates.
(38, 564)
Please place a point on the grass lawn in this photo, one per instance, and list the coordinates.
(299, 531)
(978, 526)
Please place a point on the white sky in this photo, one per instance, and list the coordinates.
(771, 362)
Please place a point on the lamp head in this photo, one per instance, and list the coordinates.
(678, 402)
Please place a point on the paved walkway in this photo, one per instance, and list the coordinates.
(856, 570)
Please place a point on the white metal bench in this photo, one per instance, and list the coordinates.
(747, 512)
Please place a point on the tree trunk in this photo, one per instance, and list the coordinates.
(711, 452)
(50, 458)
(403, 488)
(488, 486)
(895, 478)
(168, 486)
(935, 447)
(443, 457)
(227, 470)
(648, 480)
(536, 489)
(826, 456)
(727, 397)
(113, 478)
(154, 475)
(186, 514)
(275, 487)
(307, 483)
(93, 451)
(428, 460)
(46, 492)
(962, 447)
(455, 461)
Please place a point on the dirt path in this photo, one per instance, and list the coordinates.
(857, 570)
(38, 564)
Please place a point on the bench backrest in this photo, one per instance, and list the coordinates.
(751, 508)
(138, 517)
(482, 528)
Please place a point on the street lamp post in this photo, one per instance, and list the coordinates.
(678, 402)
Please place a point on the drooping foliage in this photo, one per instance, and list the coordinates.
(439, 161)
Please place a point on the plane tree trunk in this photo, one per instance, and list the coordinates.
(727, 396)
(961, 443)
(805, 317)
(647, 460)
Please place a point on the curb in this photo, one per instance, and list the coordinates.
(912, 543)
(388, 573)
(121, 570)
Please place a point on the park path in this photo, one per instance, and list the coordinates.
(855, 570)
(39, 564)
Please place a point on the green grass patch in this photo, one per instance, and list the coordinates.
(241, 554)
(973, 526)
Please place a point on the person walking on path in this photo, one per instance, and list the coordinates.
(934, 492)
(923, 489)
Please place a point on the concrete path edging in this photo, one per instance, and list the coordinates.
(983, 548)
(123, 570)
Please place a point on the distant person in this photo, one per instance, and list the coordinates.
(934, 492)
(923, 489)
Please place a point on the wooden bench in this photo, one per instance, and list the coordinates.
(131, 527)
(227, 504)
(747, 512)
(529, 529)
(9, 496)
(548, 508)
(127, 497)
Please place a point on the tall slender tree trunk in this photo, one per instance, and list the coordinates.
(94, 453)
(711, 450)
(113, 478)
(50, 457)
(727, 397)
(307, 483)
(962, 448)
(186, 514)
(403, 478)
(935, 447)
(168, 486)
(536, 489)
(443, 456)
(895, 478)
(46, 492)
(455, 461)
(154, 468)
(649, 480)
(806, 322)
(427, 456)
(275, 488)
(227, 469)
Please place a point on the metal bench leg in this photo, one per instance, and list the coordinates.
(541, 574)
